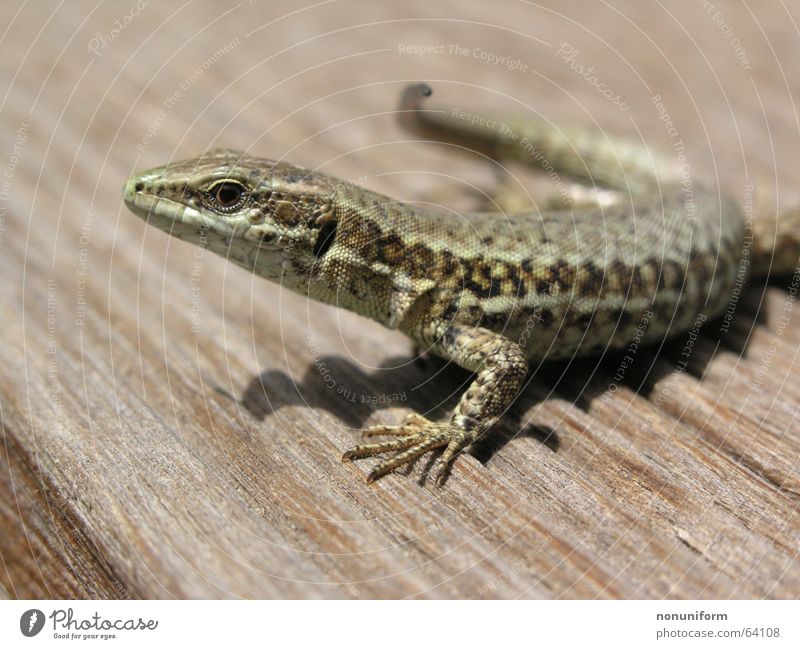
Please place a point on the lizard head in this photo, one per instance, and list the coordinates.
(273, 218)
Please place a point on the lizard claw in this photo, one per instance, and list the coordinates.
(415, 437)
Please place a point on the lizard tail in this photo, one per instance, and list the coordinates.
(441, 126)
(577, 152)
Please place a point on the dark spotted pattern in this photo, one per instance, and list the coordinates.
(501, 286)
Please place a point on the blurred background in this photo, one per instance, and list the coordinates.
(172, 426)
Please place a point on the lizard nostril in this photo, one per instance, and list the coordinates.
(139, 187)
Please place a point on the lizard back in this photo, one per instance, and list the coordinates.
(558, 282)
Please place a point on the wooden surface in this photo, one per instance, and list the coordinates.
(172, 426)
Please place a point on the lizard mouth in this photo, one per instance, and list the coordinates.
(145, 205)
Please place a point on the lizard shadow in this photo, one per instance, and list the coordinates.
(428, 385)
(582, 381)
(344, 389)
(690, 352)
(432, 386)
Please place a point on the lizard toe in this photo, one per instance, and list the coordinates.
(413, 439)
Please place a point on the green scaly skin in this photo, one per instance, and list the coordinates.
(490, 291)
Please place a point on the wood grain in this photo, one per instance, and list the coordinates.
(172, 426)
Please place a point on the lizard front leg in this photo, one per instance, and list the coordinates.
(500, 366)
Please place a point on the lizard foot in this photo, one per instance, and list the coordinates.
(415, 437)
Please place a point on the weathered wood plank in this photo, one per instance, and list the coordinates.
(150, 450)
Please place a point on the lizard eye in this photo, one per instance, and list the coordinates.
(227, 195)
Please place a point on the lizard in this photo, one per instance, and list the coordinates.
(490, 291)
